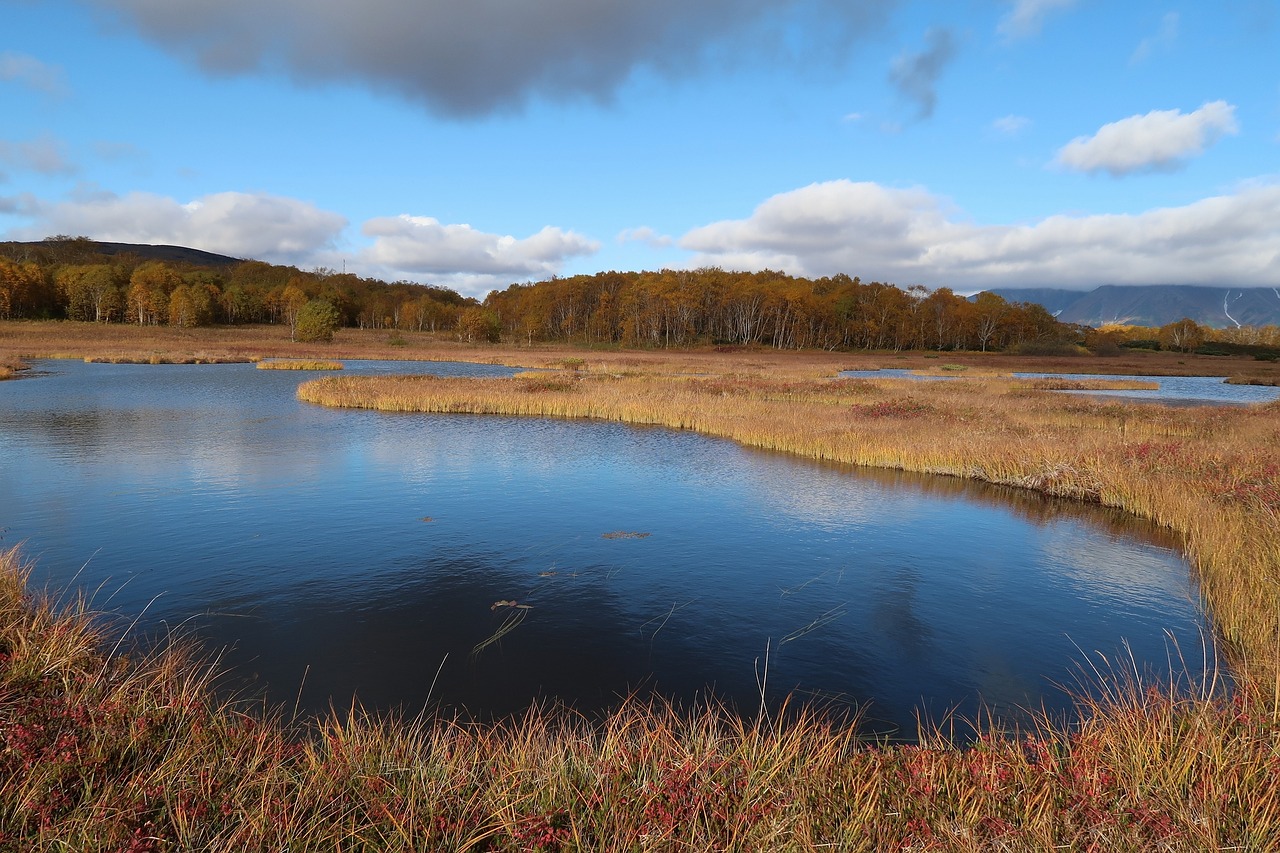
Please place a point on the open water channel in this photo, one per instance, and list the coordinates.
(351, 554)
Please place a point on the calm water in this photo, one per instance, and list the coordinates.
(1178, 390)
(342, 553)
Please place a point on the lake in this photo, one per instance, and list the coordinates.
(476, 564)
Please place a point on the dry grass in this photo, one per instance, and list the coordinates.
(10, 367)
(1270, 381)
(299, 364)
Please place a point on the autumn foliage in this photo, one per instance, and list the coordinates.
(682, 308)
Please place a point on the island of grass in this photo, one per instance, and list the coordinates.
(298, 364)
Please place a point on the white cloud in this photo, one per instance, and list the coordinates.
(45, 155)
(646, 235)
(22, 204)
(1161, 140)
(910, 236)
(289, 231)
(1027, 17)
(243, 225)
(31, 72)
(1165, 37)
(463, 257)
(1011, 125)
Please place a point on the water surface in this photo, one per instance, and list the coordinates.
(342, 554)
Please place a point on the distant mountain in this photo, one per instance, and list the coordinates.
(80, 250)
(1155, 304)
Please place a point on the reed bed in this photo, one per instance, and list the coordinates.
(1054, 384)
(299, 364)
(1211, 474)
(9, 367)
(1269, 381)
(101, 751)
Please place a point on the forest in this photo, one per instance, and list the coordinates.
(683, 307)
(71, 278)
(77, 279)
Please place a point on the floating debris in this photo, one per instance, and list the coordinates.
(825, 619)
(665, 618)
(505, 603)
(427, 519)
(513, 620)
(623, 534)
(792, 590)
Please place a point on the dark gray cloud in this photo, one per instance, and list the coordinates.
(479, 56)
(915, 75)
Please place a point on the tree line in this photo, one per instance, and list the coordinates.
(685, 307)
(72, 278)
(69, 279)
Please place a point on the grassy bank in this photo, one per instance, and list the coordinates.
(1212, 474)
(103, 752)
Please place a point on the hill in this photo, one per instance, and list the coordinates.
(1155, 305)
(82, 250)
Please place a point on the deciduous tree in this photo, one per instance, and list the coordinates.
(317, 321)
(1185, 335)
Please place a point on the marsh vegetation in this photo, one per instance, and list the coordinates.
(109, 745)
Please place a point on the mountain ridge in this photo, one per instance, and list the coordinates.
(79, 250)
(1154, 304)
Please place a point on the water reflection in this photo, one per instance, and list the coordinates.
(345, 554)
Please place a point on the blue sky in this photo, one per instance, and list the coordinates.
(966, 144)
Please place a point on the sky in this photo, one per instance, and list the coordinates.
(967, 144)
